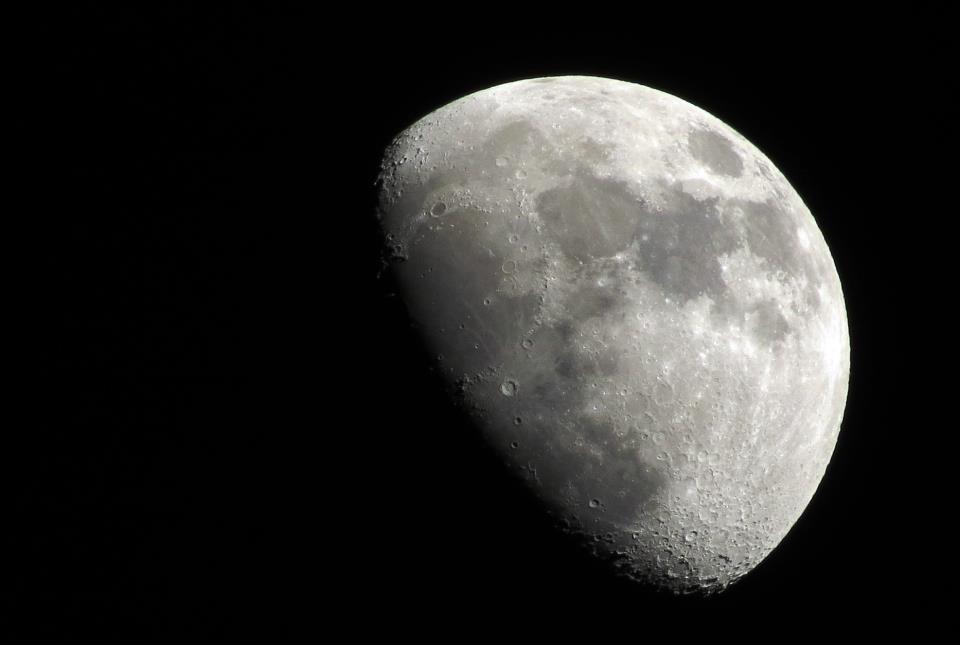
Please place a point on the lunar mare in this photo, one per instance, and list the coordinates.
(636, 309)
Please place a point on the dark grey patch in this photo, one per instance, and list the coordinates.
(554, 396)
(679, 246)
(593, 150)
(511, 136)
(578, 457)
(604, 470)
(607, 362)
(576, 365)
(494, 161)
(555, 340)
(632, 483)
(772, 235)
(565, 329)
(769, 324)
(591, 300)
(550, 339)
(716, 152)
(589, 217)
(596, 432)
(568, 365)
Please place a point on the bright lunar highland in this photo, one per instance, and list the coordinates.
(635, 308)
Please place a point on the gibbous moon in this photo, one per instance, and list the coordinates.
(635, 308)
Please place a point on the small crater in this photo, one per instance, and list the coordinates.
(509, 387)
(594, 503)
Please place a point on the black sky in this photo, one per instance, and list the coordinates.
(239, 438)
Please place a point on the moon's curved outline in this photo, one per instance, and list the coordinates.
(642, 287)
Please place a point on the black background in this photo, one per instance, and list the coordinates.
(238, 439)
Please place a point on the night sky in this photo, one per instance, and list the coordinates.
(237, 438)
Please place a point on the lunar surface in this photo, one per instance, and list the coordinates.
(634, 307)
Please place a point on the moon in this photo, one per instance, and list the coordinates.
(636, 310)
